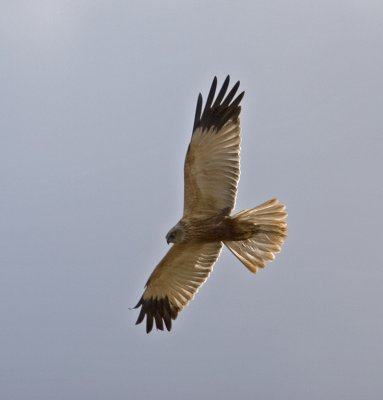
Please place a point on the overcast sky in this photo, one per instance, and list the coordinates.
(97, 103)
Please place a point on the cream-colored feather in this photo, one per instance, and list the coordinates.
(271, 231)
(212, 170)
(176, 280)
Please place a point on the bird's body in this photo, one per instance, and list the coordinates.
(215, 228)
(211, 175)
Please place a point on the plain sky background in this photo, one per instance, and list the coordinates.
(97, 102)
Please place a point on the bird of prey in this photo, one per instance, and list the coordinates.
(211, 174)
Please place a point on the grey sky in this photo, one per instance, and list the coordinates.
(96, 103)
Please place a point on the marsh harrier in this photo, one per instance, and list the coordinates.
(211, 175)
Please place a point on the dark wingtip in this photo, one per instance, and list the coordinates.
(216, 114)
(198, 111)
(137, 305)
(158, 312)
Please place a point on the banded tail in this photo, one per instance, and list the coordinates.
(271, 231)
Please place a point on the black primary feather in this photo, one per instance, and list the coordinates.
(216, 114)
(158, 311)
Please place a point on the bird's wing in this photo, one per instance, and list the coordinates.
(175, 281)
(211, 170)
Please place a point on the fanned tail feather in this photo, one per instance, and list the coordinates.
(268, 219)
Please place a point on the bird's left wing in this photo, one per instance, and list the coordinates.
(175, 281)
(211, 170)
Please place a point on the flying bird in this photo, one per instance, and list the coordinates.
(211, 175)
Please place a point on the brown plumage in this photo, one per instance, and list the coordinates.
(211, 175)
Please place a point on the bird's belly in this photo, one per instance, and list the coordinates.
(222, 230)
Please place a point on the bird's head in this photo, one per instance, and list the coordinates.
(175, 235)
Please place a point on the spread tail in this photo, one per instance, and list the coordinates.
(270, 230)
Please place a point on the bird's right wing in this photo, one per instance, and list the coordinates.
(175, 281)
